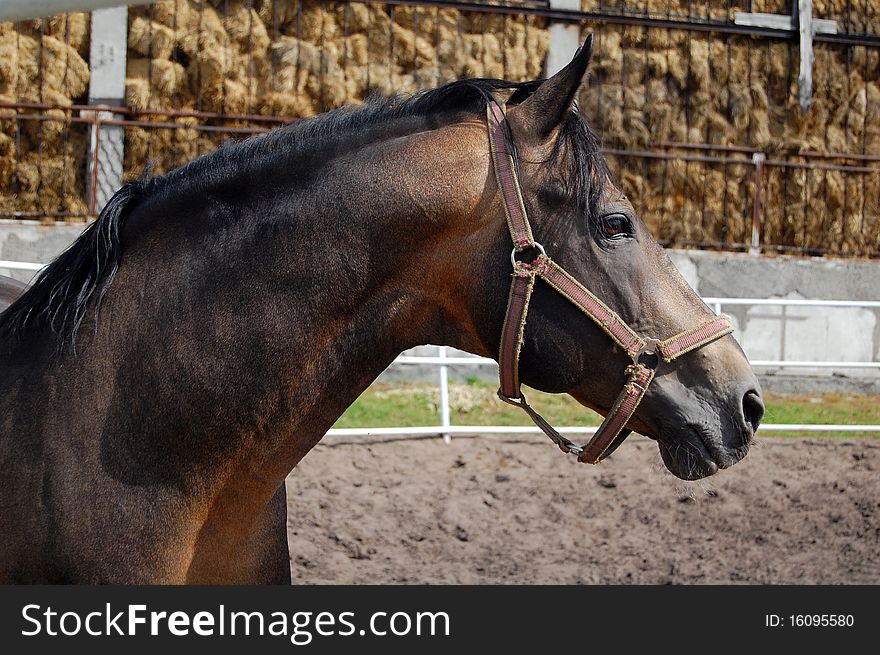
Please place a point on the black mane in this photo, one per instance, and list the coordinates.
(62, 293)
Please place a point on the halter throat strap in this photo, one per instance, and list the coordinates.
(639, 375)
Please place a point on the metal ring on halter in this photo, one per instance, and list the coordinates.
(516, 250)
(650, 347)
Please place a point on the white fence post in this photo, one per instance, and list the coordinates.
(444, 394)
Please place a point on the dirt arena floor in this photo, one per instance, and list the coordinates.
(502, 510)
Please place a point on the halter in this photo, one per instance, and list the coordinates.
(640, 373)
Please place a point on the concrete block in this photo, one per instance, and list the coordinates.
(28, 241)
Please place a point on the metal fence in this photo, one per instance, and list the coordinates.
(698, 114)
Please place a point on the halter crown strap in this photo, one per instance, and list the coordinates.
(639, 375)
(508, 180)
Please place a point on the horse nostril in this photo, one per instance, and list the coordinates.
(753, 409)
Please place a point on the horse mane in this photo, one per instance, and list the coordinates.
(80, 277)
(62, 291)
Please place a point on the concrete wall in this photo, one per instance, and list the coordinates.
(794, 333)
(29, 241)
(797, 333)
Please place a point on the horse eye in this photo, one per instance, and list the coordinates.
(615, 226)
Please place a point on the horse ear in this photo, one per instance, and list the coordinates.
(546, 108)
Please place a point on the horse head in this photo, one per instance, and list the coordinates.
(704, 403)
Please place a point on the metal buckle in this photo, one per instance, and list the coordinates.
(516, 250)
(651, 346)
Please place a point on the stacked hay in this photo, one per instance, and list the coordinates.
(658, 86)
(296, 59)
(42, 163)
(291, 59)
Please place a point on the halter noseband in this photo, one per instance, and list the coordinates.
(640, 374)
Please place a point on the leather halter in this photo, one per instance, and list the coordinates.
(640, 373)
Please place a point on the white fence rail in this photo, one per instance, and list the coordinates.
(20, 266)
(446, 429)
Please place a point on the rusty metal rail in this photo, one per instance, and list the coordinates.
(635, 17)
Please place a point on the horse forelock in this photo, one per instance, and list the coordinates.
(586, 170)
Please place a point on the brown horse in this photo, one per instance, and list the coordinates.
(147, 426)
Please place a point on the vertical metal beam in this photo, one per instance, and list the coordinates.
(805, 29)
(565, 38)
(758, 159)
(107, 87)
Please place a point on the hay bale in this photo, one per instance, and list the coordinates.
(226, 96)
(72, 29)
(179, 15)
(246, 30)
(8, 59)
(149, 78)
(42, 61)
(47, 67)
(7, 159)
(273, 13)
(514, 49)
(28, 176)
(166, 78)
(48, 133)
(151, 38)
(361, 17)
(289, 51)
(208, 33)
(537, 44)
(137, 147)
(292, 105)
(733, 92)
(482, 53)
(333, 54)
(414, 51)
(312, 23)
(355, 49)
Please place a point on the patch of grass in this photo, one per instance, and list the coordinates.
(831, 408)
(475, 403)
(472, 403)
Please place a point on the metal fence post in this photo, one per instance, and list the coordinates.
(444, 394)
(758, 159)
(94, 162)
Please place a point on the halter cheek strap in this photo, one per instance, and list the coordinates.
(639, 374)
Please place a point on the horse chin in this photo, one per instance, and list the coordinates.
(689, 454)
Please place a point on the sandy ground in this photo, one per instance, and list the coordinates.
(501, 510)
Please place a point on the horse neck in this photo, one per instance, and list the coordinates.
(242, 333)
